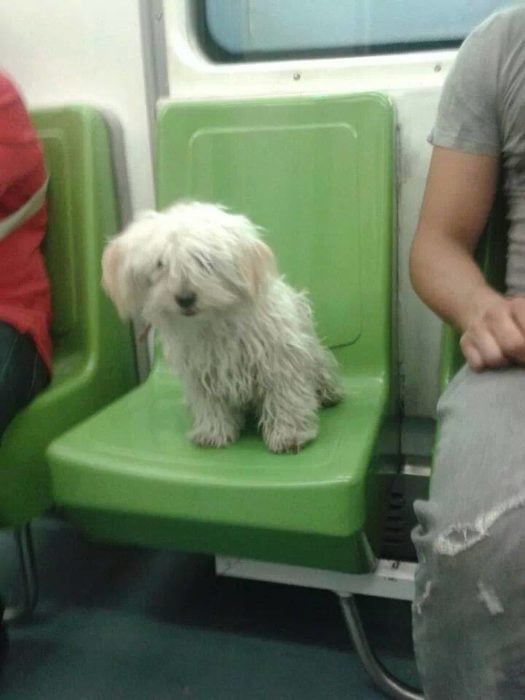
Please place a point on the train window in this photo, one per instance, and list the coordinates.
(247, 30)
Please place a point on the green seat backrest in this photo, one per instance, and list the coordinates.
(81, 188)
(491, 256)
(68, 256)
(316, 175)
(59, 248)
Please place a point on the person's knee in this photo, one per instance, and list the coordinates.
(469, 609)
(483, 545)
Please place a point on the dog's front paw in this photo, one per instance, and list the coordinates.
(330, 396)
(207, 438)
(330, 393)
(288, 444)
(291, 448)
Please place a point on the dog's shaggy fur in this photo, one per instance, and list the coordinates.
(238, 336)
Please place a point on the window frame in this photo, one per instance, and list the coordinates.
(218, 54)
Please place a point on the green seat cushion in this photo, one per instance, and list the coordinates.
(134, 461)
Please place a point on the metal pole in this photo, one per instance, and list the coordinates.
(378, 673)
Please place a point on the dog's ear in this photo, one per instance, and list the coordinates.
(118, 282)
(258, 266)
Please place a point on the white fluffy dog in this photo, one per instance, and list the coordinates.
(238, 336)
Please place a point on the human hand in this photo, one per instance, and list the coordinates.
(495, 337)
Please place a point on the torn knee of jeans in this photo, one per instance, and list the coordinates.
(488, 596)
(418, 603)
(458, 538)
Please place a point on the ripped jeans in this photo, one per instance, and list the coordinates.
(469, 609)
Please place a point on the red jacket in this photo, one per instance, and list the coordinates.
(24, 289)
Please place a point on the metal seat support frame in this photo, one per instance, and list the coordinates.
(390, 579)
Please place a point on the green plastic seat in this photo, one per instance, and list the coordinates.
(317, 173)
(93, 352)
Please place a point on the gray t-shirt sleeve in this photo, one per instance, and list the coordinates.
(467, 118)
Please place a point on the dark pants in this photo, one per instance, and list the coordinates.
(22, 373)
(22, 376)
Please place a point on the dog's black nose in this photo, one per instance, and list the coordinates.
(185, 300)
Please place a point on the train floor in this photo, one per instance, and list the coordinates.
(127, 623)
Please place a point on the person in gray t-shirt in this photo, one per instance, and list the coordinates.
(469, 611)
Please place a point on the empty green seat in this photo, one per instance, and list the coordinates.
(93, 353)
(317, 174)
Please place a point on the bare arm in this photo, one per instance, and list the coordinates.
(459, 195)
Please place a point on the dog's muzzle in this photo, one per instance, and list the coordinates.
(186, 302)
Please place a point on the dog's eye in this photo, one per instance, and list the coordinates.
(156, 272)
(203, 262)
